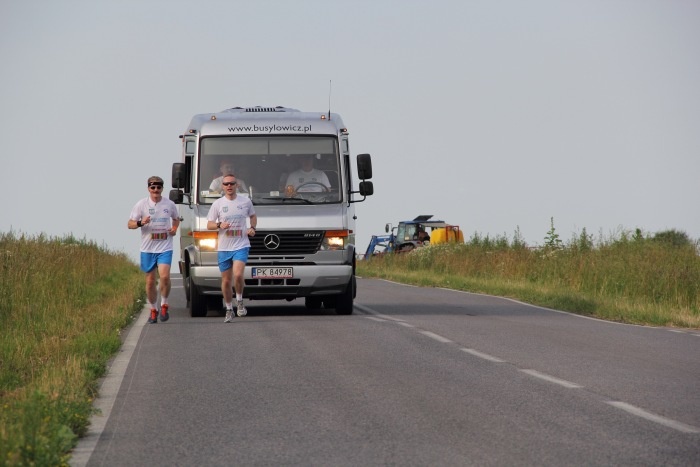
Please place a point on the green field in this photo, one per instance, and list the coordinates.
(632, 278)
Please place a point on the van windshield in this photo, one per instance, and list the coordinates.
(271, 169)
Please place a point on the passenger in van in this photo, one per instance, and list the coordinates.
(226, 167)
(307, 178)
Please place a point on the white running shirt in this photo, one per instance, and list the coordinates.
(154, 235)
(299, 177)
(236, 212)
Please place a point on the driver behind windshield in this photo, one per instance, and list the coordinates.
(226, 168)
(307, 178)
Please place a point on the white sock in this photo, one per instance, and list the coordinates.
(229, 306)
(163, 300)
(239, 297)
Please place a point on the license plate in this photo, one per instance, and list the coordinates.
(272, 273)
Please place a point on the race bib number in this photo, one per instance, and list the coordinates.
(159, 236)
(234, 233)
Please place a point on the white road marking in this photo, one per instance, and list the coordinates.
(391, 318)
(485, 356)
(376, 319)
(108, 393)
(552, 379)
(399, 283)
(437, 337)
(682, 427)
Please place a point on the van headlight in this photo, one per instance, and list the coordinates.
(205, 240)
(334, 240)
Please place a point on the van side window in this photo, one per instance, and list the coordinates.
(190, 146)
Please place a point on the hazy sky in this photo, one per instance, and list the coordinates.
(492, 115)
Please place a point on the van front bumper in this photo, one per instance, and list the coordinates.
(308, 280)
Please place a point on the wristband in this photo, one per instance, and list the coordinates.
(218, 225)
(138, 223)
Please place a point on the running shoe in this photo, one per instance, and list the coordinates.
(240, 309)
(154, 317)
(164, 315)
(229, 316)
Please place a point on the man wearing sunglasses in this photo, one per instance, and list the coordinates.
(226, 167)
(229, 215)
(158, 219)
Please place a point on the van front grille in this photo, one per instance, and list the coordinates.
(270, 243)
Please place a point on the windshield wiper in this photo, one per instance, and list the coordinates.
(298, 199)
(284, 200)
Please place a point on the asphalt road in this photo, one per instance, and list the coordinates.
(415, 376)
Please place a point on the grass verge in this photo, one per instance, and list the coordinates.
(629, 279)
(63, 304)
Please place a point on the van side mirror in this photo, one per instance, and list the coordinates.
(176, 196)
(366, 188)
(364, 171)
(179, 175)
(364, 166)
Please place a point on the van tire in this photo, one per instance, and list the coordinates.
(344, 301)
(313, 303)
(198, 302)
(186, 286)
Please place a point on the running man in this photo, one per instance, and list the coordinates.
(229, 215)
(158, 219)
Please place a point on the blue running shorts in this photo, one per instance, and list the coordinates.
(226, 258)
(149, 261)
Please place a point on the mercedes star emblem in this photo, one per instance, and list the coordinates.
(271, 242)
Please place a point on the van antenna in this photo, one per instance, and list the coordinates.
(330, 87)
